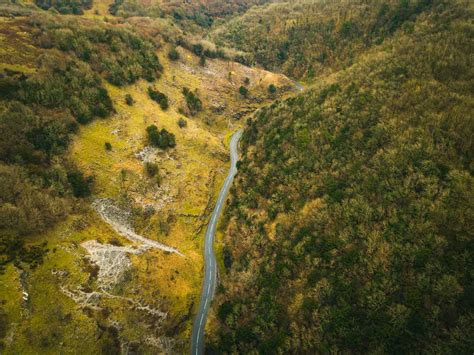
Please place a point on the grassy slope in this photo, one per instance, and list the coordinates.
(192, 174)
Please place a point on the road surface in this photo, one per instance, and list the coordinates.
(210, 270)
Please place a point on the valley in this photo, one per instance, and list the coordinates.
(236, 176)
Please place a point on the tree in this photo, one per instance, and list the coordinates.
(158, 97)
(151, 169)
(202, 61)
(161, 139)
(108, 146)
(193, 102)
(243, 91)
(182, 123)
(173, 54)
(81, 185)
(198, 49)
(129, 100)
(272, 89)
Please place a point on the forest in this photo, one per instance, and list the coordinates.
(350, 228)
(306, 39)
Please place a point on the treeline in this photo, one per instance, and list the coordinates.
(306, 38)
(202, 13)
(65, 7)
(350, 227)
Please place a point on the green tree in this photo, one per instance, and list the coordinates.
(158, 97)
(182, 123)
(129, 100)
(193, 102)
(151, 169)
(243, 91)
(161, 139)
(173, 54)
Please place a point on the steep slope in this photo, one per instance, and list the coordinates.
(308, 38)
(350, 228)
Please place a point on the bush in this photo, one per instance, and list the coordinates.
(173, 54)
(198, 49)
(129, 100)
(246, 81)
(272, 89)
(192, 100)
(81, 185)
(243, 91)
(158, 97)
(151, 169)
(182, 123)
(202, 61)
(161, 139)
(108, 146)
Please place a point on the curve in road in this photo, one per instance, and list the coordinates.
(210, 270)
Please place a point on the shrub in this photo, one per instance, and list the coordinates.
(151, 169)
(192, 100)
(114, 241)
(129, 100)
(243, 91)
(108, 146)
(81, 185)
(173, 54)
(51, 87)
(182, 123)
(202, 61)
(161, 139)
(198, 49)
(246, 81)
(272, 89)
(158, 97)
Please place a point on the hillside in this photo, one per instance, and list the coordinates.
(101, 226)
(308, 38)
(350, 227)
(349, 224)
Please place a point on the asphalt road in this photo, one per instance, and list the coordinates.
(210, 270)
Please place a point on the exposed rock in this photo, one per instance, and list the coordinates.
(119, 219)
(84, 299)
(147, 154)
(112, 261)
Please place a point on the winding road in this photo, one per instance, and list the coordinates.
(210, 270)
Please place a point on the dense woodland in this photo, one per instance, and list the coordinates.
(308, 38)
(200, 12)
(350, 228)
